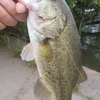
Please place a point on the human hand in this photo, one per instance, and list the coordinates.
(11, 13)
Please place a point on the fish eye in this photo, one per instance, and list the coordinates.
(41, 17)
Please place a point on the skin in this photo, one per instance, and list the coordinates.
(11, 12)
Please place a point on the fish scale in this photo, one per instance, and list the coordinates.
(55, 46)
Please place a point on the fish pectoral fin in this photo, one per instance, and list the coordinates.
(27, 53)
(41, 91)
(82, 76)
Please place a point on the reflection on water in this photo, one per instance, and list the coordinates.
(91, 51)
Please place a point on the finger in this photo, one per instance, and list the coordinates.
(20, 8)
(6, 18)
(10, 6)
(2, 26)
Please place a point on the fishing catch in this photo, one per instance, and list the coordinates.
(55, 46)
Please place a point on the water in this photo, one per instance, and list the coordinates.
(91, 51)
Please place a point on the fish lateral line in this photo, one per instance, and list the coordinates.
(73, 61)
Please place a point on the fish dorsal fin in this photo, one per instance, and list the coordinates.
(82, 77)
(27, 53)
(41, 91)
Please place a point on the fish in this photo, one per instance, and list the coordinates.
(55, 46)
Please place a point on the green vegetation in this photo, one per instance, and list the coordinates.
(19, 32)
(85, 11)
(7, 41)
(76, 88)
(4, 40)
(88, 98)
(32, 64)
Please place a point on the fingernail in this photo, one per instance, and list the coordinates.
(20, 8)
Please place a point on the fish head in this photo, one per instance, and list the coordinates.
(44, 15)
(48, 14)
(49, 9)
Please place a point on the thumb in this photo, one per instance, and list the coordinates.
(20, 8)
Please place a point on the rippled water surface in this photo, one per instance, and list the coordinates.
(91, 51)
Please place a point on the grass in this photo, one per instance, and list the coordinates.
(88, 98)
(6, 41)
(76, 88)
(19, 31)
(14, 47)
(32, 64)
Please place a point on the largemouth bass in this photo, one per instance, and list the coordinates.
(55, 46)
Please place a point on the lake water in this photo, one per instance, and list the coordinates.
(91, 51)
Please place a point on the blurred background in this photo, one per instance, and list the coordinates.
(87, 18)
